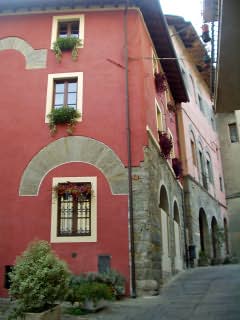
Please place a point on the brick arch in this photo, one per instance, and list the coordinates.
(74, 149)
(35, 59)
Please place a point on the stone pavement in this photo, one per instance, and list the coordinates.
(207, 293)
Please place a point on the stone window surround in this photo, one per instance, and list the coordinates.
(62, 18)
(50, 89)
(69, 239)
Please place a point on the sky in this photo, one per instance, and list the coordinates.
(189, 9)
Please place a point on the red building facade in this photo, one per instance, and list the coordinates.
(34, 162)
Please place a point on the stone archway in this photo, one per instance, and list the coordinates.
(35, 59)
(204, 233)
(178, 263)
(165, 229)
(74, 149)
(226, 238)
(214, 230)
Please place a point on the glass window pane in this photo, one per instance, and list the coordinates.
(75, 29)
(72, 87)
(72, 98)
(59, 87)
(59, 99)
(62, 29)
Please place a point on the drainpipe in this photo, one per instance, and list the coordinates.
(128, 136)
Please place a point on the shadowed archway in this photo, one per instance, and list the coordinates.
(204, 233)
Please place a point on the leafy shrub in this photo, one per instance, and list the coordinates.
(94, 291)
(113, 279)
(64, 115)
(38, 279)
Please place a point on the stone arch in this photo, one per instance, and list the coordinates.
(214, 230)
(178, 262)
(176, 215)
(164, 204)
(226, 238)
(74, 149)
(204, 233)
(35, 59)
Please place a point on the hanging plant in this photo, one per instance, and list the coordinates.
(76, 190)
(64, 115)
(172, 107)
(177, 167)
(66, 44)
(166, 144)
(160, 82)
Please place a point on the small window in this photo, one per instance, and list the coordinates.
(155, 63)
(221, 183)
(209, 171)
(159, 117)
(65, 93)
(193, 150)
(104, 263)
(68, 29)
(172, 153)
(67, 26)
(200, 102)
(64, 89)
(233, 132)
(74, 210)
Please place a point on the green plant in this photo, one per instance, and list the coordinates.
(38, 279)
(64, 115)
(113, 279)
(94, 291)
(66, 44)
(219, 237)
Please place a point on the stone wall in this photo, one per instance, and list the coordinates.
(196, 198)
(153, 173)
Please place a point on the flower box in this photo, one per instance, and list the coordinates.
(160, 82)
(165, 143)
(177, 167)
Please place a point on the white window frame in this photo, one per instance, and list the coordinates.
(50, 89)
(155, 66)
(172, 153)
(57, 19)
(54, 212)
(159, 112)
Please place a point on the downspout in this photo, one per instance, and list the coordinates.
(183, 194)
(128, 136)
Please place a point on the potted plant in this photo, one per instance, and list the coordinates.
(165, 143)
(177, 167)
(63, 115)
(66, 44)
(160, 82)
(38, 280)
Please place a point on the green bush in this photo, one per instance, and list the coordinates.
(38, 279)
(113, 279)
(64, 115)
(94, 291)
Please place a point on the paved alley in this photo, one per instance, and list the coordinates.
(207, 293)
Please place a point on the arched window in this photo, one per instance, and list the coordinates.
(193, 149)
(209, 168)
